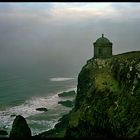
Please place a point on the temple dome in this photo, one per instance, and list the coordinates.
(102, 40)
(102, 47)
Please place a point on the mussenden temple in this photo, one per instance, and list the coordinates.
(102, 47)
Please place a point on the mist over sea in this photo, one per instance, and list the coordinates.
(21, 92)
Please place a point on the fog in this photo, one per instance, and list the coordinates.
(57, 38)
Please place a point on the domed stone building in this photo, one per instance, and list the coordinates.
(102, 47)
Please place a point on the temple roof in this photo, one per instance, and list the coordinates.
(102, 40)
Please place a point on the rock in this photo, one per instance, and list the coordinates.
(67, 103)
(13, 115)
(3, 132)
(67, 94)
(42, 109)
(20, 129)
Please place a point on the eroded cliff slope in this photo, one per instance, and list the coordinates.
(108, 98)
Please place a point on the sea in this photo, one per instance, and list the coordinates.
(21, 93)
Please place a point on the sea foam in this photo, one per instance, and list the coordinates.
(28, 108)
(59, 79)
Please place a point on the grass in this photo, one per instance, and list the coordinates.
(74, 119)
(104, 80)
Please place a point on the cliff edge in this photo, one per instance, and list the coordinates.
(108, 98)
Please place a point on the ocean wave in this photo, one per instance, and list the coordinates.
(70, 89)
(41, 125)
(28, 109)
(59, 79)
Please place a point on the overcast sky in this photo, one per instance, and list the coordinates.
(58, 37)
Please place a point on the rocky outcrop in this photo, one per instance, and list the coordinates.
(3, 133)
(13, 115)
(67, 103)
(20, 129)
(108, 98)
(67, 94)
(42, 109)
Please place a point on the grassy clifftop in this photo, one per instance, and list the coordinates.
(108, 98)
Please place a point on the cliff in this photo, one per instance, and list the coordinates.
(108, 98)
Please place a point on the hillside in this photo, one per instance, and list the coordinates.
(107, 102)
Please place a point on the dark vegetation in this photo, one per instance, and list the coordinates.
(107, 102)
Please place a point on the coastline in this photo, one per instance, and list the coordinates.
(60, 127)
(57, 121)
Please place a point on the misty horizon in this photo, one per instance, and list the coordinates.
(58, 37)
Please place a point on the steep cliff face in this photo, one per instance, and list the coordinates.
(108, 98)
